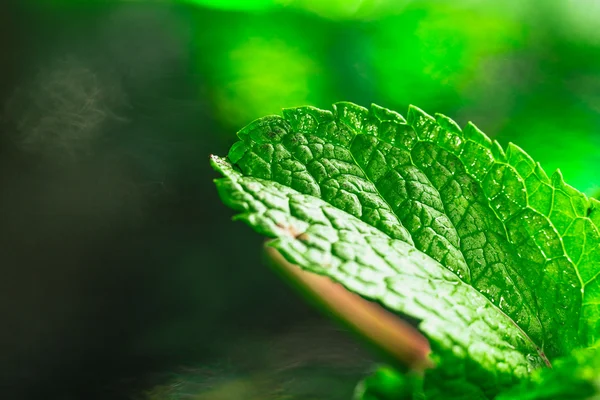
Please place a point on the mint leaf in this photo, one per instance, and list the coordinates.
(387, 383)
(498, 261)
(576, 377)
(458, 321)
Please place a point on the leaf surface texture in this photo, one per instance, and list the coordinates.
(497, 260)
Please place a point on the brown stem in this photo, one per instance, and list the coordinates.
(383, 329)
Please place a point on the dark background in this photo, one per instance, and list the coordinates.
(117, 259)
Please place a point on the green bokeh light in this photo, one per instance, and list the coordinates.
(430, 55)
(261, 65)
(330, 9)
(246, 5)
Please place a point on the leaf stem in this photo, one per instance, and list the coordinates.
(384, 330)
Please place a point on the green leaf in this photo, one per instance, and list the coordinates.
(576, 377)
(389, 384)
(497, 260)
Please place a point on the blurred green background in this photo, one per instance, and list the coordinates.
(118, 260)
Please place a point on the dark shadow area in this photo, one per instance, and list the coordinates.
(117, 257)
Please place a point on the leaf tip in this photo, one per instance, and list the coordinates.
(216, 162)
